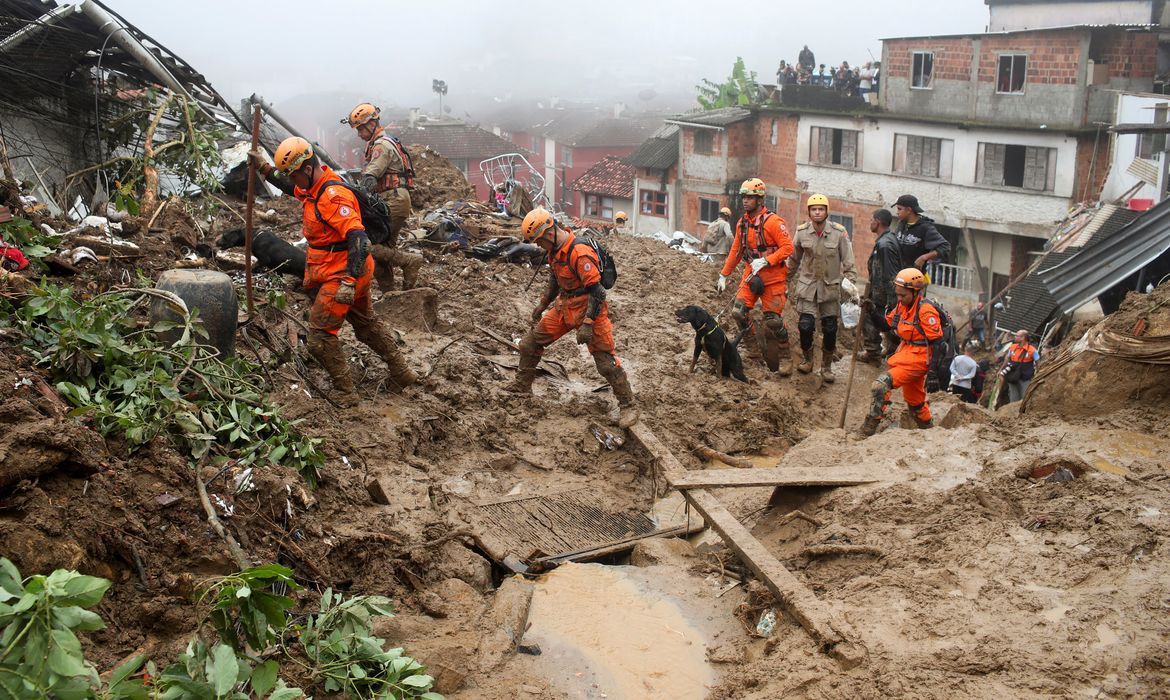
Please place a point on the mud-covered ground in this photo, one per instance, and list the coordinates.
(988, 584)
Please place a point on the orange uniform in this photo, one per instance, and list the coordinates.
(329, 214)
(575, 268)
(766, 235)
(916, 327)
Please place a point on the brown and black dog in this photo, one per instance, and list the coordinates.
(709, 336)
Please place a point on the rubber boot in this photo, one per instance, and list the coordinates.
(383, 344)
(806, 366)
(785, 368)
(525, 375)
(922, 424)
(869, 426)
(827, 367)
(326, 350)
(771, 352)
(384, 276)
(628, 413)
(410, 272)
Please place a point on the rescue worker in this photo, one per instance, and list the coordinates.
(822, 259)
(621, 223)
(1019, 366)
(337, 266)
(718, 238)
(578, 302)
(884, 263)
(917, 324)
(920, 240)
(385, 175)
(762, 242)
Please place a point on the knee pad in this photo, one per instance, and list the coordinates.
(807, 323)
(829, 325)
(881, 386)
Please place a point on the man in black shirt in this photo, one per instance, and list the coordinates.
(885, 261)
(920, 240)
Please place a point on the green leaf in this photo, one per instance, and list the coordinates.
(73, 617)
(264, 677)
(127, 669)
(65, 658)
(243, 591)
(224, 670)
(420, 681)
(285, 693)
(432, 696)
(10, 577)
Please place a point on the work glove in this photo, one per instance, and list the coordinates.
(585, 334)
(344, 293)
(262, 166)
(759, 264)
(537, 313)
(721, 285)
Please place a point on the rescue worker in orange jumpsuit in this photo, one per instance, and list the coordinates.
(762, 242)
(337, 266)
(578, 302)
(385, 174)
(916, 323)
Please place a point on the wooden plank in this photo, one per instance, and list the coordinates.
(797, 600)
(779, 476)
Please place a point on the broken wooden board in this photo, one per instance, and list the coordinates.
(779, 476)
(796, 599)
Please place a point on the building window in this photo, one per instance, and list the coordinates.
(922, 77)
(461, 164)
(653, 203)
(844, 220)
(834, 147)
(598, 207)
(704, 142)
(923, 156)
(775, 131)
(770, 202)
(1007, 165)
(1012, 70)
(1149, 145)
(566, 156)
(708, 210)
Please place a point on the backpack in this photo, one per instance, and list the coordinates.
(942, 351)
(608, 266)
(375, 213)
(407, 177)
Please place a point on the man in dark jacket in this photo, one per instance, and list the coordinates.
(920, 240)
(884, 263)
(806, 59)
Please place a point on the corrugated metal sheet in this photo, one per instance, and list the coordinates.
(658, 152)
(722, 117)
(1109, 259)
(1144, 170)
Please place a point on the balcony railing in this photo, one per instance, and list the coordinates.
(951, 276)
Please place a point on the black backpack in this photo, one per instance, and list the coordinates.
(942, 351)
(375, 213)
(608, 266)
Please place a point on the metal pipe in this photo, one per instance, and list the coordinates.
(321, 152)
(36, 26)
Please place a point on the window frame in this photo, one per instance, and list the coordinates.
(1150, 145)
(845, 220)
(834, 149)
(649, 204)
(711, 204)
(1011, 73)
(916, 75)
(1029, 161)
(903, 156)
(771, 202)
(566, 156)
(707, 139)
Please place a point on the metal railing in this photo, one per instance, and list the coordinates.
(951, 276)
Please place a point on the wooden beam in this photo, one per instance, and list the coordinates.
(812, 614)
(779, 476)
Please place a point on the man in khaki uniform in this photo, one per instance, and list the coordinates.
(385, 174)
(718, 238)
(823, 256)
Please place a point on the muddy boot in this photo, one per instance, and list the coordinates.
(525, 375)
(326, 350)
(384, 276)
(628, 413)
(410, 272)
(806, 366)
(785, 368)
(383, 344)
(923, 424)
(869, 426)
(827, 367)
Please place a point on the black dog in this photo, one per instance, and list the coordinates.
(270, 251)
(710, 336)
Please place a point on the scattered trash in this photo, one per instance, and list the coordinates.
(767, 624)
(530, 649)
(606, 438)
(225, 509)
(242, 482)
(1061, 474)
(850, 314)
(1065, 468)
(82, 253)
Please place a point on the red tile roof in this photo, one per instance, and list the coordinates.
(461, 141)
(611, 177)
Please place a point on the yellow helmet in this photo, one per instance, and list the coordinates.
(754, 186)
(536, 223)
(817, 200)
(291, 154)
(911, 278)
(361, 114)
(621, 216)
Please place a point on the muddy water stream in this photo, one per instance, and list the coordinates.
(605, 632)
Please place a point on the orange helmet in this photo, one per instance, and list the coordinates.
(621, 216)
(754, 187)
(536, 223)
(725, 211)
(911, 278)
(291, 154)
(361, 114)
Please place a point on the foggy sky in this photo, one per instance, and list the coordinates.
(600, 49)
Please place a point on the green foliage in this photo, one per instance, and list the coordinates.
(344, 654)
(133, 384)
(738, 90)
(219, 674)
(32, 242)
(246, 602)
(39, 618)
